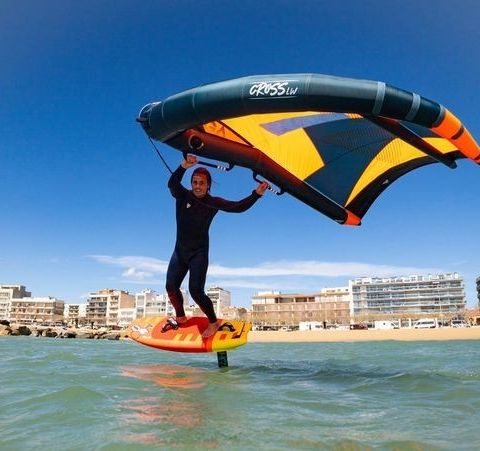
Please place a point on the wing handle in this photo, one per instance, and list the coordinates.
(276, 191)
(212, 165)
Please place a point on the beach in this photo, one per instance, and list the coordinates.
(338, 335)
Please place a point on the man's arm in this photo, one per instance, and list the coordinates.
(240, 205)
(175, 180)
(175, 183)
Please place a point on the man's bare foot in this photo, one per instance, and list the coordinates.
(181, 319)
(211, 329)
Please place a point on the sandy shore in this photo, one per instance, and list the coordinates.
(444, 333)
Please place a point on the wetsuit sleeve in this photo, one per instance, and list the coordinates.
(235, 206)
(175, 183)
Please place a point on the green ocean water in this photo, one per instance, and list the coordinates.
(108, 395)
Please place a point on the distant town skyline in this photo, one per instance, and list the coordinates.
(365, 299)
(473, 304)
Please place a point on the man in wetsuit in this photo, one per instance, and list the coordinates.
(195, 210)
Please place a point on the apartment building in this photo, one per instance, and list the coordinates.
(149, 303)
(161, 305)
(37, 310)
(7, 293)
(126, 316)
(330, 305)
(221, 299)
(75, 314)
(411, 296)
(143, 301)
(103, 306)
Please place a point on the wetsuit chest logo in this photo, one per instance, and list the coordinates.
(189, 205)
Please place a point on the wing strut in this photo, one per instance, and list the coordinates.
(409, 136)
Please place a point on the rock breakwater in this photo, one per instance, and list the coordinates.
(61, 332)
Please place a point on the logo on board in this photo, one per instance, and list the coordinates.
(285, 88)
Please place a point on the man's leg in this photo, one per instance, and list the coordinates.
(198, 274)
(176, 272)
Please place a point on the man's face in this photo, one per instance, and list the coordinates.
(199, 185)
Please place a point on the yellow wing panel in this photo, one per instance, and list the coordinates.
(395, 153)
(441, 144)
(217, 128)
(292, 150)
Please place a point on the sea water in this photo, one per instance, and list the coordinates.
(118, 395)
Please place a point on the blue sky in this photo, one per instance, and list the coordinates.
(84, 198)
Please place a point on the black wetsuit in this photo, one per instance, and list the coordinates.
(194, 217)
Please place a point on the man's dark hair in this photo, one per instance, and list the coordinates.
(205, 172)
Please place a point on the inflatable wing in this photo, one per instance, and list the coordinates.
(333, 143)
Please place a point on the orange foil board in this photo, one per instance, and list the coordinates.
(188, 337)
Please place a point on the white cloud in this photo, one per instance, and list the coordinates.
(135, 274)
(138, 263)
(138, 269)
(318, 268)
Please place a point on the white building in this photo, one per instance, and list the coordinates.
(146, 297)
(149, 303)
(221, 298)
(103, 306)
(412, 295)
(159, 306)
(75, 314)
(126, 316)
(7, 293)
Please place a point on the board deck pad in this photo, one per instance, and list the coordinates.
(150, 331)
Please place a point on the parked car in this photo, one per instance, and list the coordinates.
(386, 324)
(360, 326)
(426, 323)
(459, 323)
